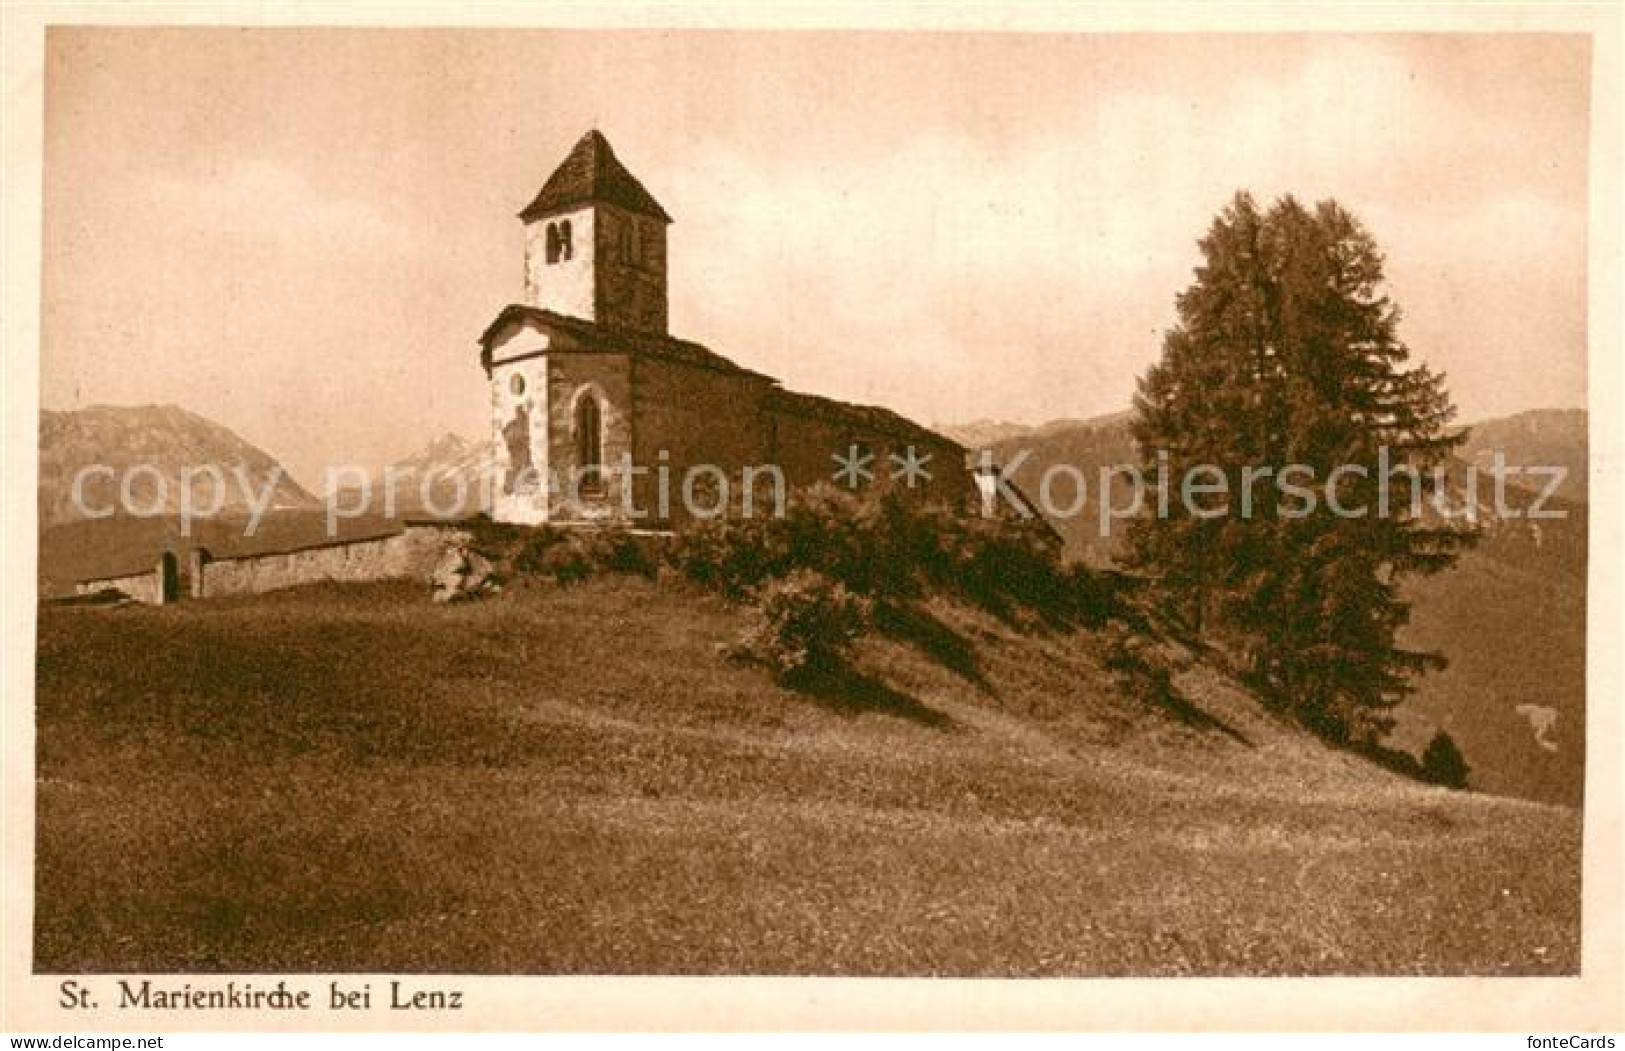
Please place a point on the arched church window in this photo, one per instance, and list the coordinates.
(590, 444)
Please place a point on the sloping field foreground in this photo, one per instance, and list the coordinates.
(574, 780)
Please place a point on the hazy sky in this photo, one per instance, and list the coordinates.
(301, 233)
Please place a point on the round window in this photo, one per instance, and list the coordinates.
(517, 385)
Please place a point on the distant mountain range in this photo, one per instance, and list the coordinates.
(444, 479)
(448, 456)
(1540, 437)
(982, 434)
(146, 449)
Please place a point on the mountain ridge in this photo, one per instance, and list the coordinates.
(144, 450)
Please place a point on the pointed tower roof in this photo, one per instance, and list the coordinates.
(592, 173)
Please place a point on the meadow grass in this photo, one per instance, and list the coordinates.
(574, 780)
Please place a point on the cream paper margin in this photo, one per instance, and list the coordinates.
(1594, 1001)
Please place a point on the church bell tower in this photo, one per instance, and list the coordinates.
(595, 243)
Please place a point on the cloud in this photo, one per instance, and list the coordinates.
(261, 203)
(946, 260)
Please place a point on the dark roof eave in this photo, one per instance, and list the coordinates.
(535, 212)
(871, 417)
(700, 356)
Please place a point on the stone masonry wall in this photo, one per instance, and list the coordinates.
(519, 425)
(409, 554)
(693, 417)
(142, 587)
(631, 253)
(567, 285)
(805, 446)
(570, 378)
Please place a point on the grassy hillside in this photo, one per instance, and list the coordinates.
(571, 780)
(1515, 638)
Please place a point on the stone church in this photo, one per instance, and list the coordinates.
(585, 380)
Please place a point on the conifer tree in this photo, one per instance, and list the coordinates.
(1286, 352)
(1443, 763)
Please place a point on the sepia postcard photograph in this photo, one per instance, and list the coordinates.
(665, 498)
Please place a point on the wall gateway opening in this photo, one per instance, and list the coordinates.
(169, 578)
